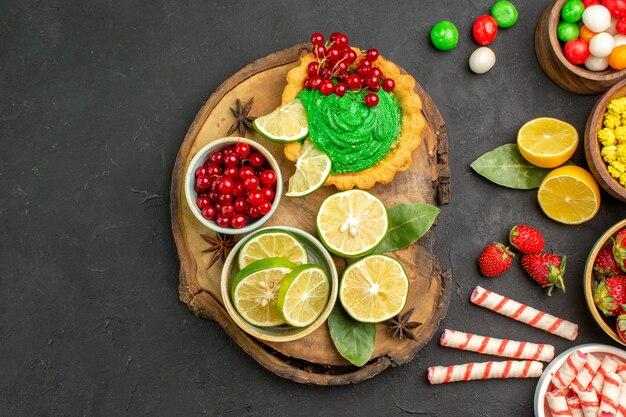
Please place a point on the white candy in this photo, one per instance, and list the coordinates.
(601, 45)
(594, 63)
(482, 60)
(597, 18)
(612, 29)
(619, 40)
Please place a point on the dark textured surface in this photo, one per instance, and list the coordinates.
(95, 98)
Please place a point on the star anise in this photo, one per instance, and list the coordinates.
(400, 327)
(219, 247)
(243, 122)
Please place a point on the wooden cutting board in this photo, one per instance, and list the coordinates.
(313, 359)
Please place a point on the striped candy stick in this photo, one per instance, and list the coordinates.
(585, 375)
(497, 347)
(589, 402)
(484, 370)
(609, 365)
(621, 406)
(521, 312)
(557, 403)
(567, 372)
(610, 394)
(575, 407)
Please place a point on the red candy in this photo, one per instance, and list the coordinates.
(576, 51)
(616, 7)
(588, 3)
(621, 26)
(485, 29)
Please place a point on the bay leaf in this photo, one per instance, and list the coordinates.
(408, 222)
(353, 339)
(506, 166)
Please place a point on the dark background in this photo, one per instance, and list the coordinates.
(95, 99)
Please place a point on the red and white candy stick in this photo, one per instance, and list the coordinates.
(567, 372)
(521, 312)
(497, 347)
(621, 406)
(575, 407)
(484, 370)
(585, 375)
(557, 403)
(589, 401)
(609, 365)
(610, 394)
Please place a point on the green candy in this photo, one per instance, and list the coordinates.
(567, 31)
(572, 11)
(444, 35)
(505, 13)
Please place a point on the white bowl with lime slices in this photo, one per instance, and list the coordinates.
(256, 290)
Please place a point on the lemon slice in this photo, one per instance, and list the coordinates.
(569, 195)
(547, 142)
(312, 170)
(351, 223)
(254, 291)
(287, 123)
(303, 295)
(374, 289)
(272, 244)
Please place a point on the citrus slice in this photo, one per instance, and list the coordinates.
(351, 223)
(303, 295)
(312, 169)
(287, 123)
(569, 195)
(547, 142)
(374, 289)
(254, 291)
(272, 244)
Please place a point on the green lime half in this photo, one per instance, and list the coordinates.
(312, 170)
(287, 123)
(272, 244)
(303, 295)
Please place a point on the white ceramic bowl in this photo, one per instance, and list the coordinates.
(541, 407)
(198, 160)
(317, 255)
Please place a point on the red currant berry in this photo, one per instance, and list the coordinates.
(327, 87)
(334, 54)
(333, 36)
(319, 51)
(255, 197)
(340, 89)
(238, 221)
(316, 81)
(313, 68)
(231, 172)
(202, 202)
(268, 193)
(209, 212)
(256, 160)
(227, 210)
(215, 181)
(389, 84)
(349, 56)
(200, 171)
(242, 150)
(341, 40)
(265, 207)
(372, 82)
(196, 189)
(222, 221)
(203, 182)
(228, 150)
(326, 73)
(375, 71)
(268, 177)
(240, 205)
(253, 212)
(354, 81)
(341, 68)
(225, 198)
(239, 190)
(375, 88)
(214, 196)
(251, 183)
(307, 83)
(226, 185)
(246, 172)
(317, 38)
(371, 99)
(218, 207)
(231, 160)
(364, 69)
(217, 158)
(213, 170)
(372, 54)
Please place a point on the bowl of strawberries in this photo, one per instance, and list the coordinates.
(605, 282)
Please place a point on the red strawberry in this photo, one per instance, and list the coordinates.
(605, 265)
(620, 326)
(495, 259)
(619, 249)
(526, 239)
(545, 268)
(610, 294)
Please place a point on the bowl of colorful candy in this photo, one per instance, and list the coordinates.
(233, 185)
(604, 282)
(581, 44)
(605, 141)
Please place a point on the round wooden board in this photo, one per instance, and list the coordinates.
(313, 359)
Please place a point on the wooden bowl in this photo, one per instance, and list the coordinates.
(573, 78)
(589, 279)
(317, 255)
(592, 146)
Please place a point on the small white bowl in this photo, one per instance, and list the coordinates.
(541, 406)
(198, 161)
(317, 253)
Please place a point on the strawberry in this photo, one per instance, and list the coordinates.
(495, 259)
(526, 239)
(546, 269)
(605, 265)
(619, 249)
(620, 325)
(610, 294)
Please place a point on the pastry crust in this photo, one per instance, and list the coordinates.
(410, 138)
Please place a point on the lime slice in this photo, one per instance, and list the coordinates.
(285, 124)
(272, 244)
(312, 169)
(254, 291)
(303, 295)
(374, 289)
(352, 223)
